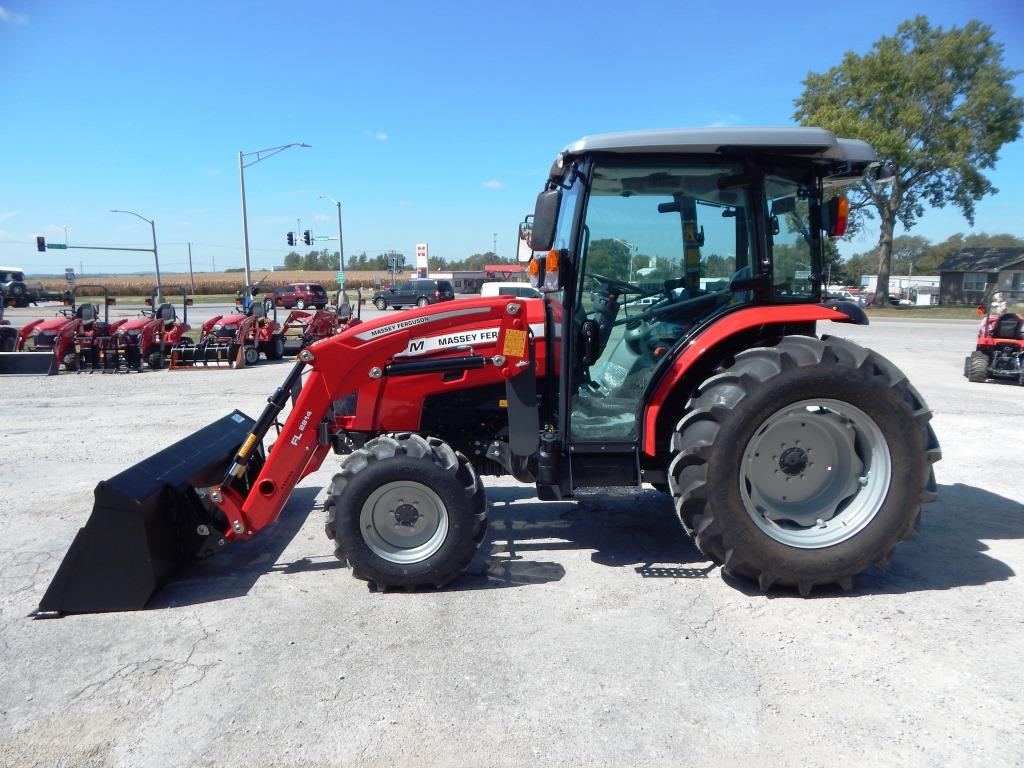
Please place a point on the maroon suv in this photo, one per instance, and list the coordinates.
(298, 295)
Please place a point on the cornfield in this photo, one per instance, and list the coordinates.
(207, 283)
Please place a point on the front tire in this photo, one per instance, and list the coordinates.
(422, 301)
(251, 355)
(380, 304)
(406, 511)
(300, 304)
(977, 366)
(71, 362)
(803, 464)
(155, 358)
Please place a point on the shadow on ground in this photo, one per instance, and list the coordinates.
(949, 551)
(628, 529)
(233, 572)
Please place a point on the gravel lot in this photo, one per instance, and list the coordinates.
(589, 633)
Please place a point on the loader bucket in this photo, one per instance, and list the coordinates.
(146, 523)
(38, 363)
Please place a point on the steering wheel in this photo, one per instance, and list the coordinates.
(620, 286)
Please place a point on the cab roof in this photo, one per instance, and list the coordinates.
(812, 143)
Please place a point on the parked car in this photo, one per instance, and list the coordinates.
(419, 291)
(522, 290)
(298, 295)
(12, 280)
(844, 296)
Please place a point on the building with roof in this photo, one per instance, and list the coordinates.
(969, 276)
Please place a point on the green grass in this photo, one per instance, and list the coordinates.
(925, 313)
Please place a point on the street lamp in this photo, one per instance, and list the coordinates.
(341, 247)
(156, 260)
(632, 252)
(260, 154)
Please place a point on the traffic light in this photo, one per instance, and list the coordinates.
(291, 238)
(41, 244)
(307, 237)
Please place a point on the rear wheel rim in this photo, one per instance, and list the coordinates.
(815, 473)
(403, 522)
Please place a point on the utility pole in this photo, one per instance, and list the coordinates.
(494, 248)
(191, 279)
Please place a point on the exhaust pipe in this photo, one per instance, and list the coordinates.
(148, 521)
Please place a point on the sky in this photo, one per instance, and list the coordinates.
(430, 122)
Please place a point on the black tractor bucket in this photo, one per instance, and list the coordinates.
(29, 363)
(147, 522)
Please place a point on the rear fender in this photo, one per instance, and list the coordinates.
(712, 340)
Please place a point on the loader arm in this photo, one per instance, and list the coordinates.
(356, 361)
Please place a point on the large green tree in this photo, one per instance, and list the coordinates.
(938, 104)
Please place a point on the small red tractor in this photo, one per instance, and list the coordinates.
(1000, 350)
(794, 458)
(303, 328)
(149, 338)
(232, 341)
(74, 338)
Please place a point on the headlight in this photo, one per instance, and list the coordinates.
(217, 327)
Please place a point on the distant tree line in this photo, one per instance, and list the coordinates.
(362, 262)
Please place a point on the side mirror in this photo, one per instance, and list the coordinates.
(525, 252)
(545, 219)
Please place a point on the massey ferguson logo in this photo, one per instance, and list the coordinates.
(302, 428)
(460, 339)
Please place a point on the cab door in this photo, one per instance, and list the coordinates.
(660, 246)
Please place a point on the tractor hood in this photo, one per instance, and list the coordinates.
(135, 324)
(467, 325)
(52, 325)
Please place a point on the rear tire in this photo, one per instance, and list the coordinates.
(406, 511)
(866, 428)
(300, 304)
(977, 367)
(422, 301)
(380, 304)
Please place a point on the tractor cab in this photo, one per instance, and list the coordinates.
(641, 241)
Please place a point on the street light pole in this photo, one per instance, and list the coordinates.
(156, 258)
(341, 242)
(260, 154)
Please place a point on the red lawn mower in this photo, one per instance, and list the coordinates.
(1000, 350)
(151, 336)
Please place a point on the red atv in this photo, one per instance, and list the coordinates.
(234, 341)
(74, 337)
(152, 335)
(1000, 350)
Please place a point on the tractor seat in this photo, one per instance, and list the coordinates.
(166, 313)
(1007, 326)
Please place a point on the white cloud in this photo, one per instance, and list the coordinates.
(214, 172)
(493, 184)
(8, 215)
(404, 204)
(378, 135)
(6, 236)
(12, 18)
(321, 217)
(183, 225)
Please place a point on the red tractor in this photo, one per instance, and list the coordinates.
(1000, 350)
(234, 341)
(792, 457)
(75, 338)
(303, 328)
(151, 336)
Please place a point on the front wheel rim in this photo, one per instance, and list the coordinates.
(815, 473)
(403, 522)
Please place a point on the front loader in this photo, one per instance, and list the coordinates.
(677, 344)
